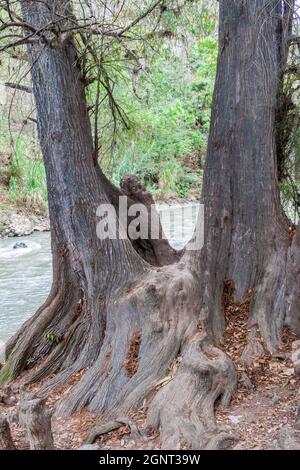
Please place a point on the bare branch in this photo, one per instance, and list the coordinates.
(293, 39)
(16, 86)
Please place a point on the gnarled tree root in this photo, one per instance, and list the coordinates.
(183, 410)
(112, 426)
(34, 417)
(159, 312)
(147, 330)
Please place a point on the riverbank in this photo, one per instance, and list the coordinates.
(19, 223)
(21, 217)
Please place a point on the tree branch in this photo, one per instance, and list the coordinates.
(293, 39)
(16, 86)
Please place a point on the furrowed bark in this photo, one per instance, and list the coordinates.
(183, 410)
(37, 422)
(87, 271)
(246, 232)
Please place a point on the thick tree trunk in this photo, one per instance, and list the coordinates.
(246, 231)
(150, 333)
(86, 271)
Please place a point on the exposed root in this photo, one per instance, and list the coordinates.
(160, 310)
(31, 343)
(183, 410)
(77, 348)
(130, 427)
(147, 328)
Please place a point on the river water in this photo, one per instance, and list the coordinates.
(26, 273)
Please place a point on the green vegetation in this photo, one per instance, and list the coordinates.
(153, 115)
(22, 173)
(5, 375)
(28, 175)
(159, 126)
(52, 337)
(288, 138)
(166, 141)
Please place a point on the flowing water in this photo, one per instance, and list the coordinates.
(25, 280)
(26, 273)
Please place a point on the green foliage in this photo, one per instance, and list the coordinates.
(30, 170)
(288, 137)
(169, 177)
(168, 123)
(52, 337)
(204, 61)
(188, 181)
(25, 173)
(5, 375)
(153, 97)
